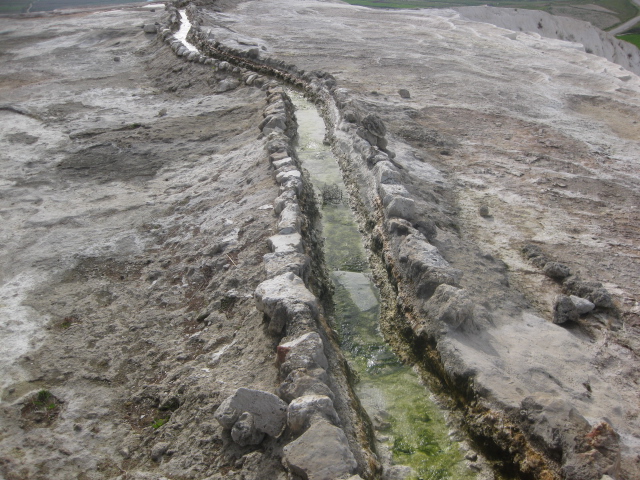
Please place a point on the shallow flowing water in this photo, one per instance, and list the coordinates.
(410, 427)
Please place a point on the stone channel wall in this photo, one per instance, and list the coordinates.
(428, 300)
(313, 409)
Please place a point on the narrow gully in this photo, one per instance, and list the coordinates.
(411, 429)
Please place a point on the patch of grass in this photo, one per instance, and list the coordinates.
(159, 422)
(41, 410)
(633, 38)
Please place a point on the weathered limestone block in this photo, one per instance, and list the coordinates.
(277, 107)
(283, 177)
(278, 263)
(388, 192)
(321, 453)
(274, 123)
(306, 351)
(450, 305)
(278, 297)
(244, 432)
(564, 310)
(385, 172)
(309, 409)
(268, 411)
(401, 207)
(289, 221)
(286, 243)
(227, 84)
(283, 199)
(299, 383)
(285, 162)
(424, 264)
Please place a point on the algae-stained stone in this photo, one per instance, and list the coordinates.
(359, 288)
(320, 453)
(268, 411)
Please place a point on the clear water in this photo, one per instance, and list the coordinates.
(410, 427)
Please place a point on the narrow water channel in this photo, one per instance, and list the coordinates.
(410, 428)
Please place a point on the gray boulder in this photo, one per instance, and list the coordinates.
(286, 243)
(269, 413)
(278, 298)
(227, 84)
(564, 310)
(556, 270)
(150, 28)
(404, 93)
(308, 409)
(278, 263)
(299, 383)
(306, 351)
(321, 453)
(289, 221)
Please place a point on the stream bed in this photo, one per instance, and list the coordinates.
(411, 429)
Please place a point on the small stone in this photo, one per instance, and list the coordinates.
(404, 93)
(564, 310)
(471, 456)
(583, 305)
(484, 211)
(116, 59)
(150, 28)
(556, 270)
(162, 112)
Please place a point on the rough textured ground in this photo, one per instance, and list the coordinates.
(132, 238)
(132, 241)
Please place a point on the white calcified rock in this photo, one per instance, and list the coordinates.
(321, 453)
(268, 411)
(308, 409)
(283, 262)
(306, 351)
(289, 221)
(582, 304)
(286, 243)
(280, 298)
(299, 383)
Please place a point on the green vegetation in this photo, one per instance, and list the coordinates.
(159, 422)
(633, 38)
(624, 9)
(44, 400)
